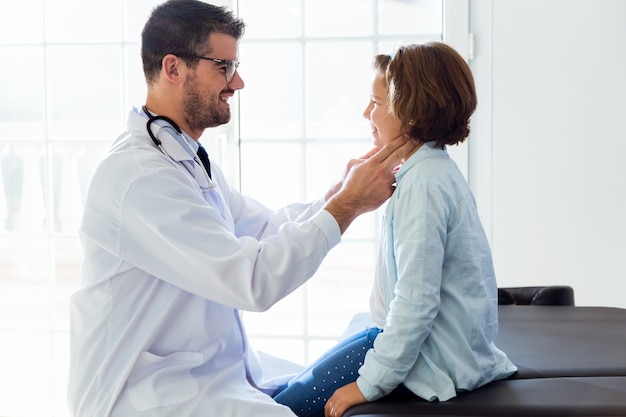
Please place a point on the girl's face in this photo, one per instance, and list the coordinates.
(385, 127)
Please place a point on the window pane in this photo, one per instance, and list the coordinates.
(67, 257)
(332, 18)
(317, 347)
(22, 196)
(287, 12)
(327, 162)
(60, 365)
(69, 174)
(84, 99)
(22, 104)
(135, 88)
(271, 102)
(83, 21)
(272, 173)
(337, 88)
(25, 298)
(288, 349)
(25, 378)
(285, 318)
(22, 22)
(412, 17)
(136, 14)
(341, 288)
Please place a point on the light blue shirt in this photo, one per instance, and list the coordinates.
(436, 293)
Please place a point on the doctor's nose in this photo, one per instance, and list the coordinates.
(237, 82)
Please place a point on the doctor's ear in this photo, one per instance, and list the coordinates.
(171, 67)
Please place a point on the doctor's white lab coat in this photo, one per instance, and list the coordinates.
(170, 259)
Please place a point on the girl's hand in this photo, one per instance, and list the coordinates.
(344, 398)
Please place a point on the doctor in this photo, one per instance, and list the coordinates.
(172, 253)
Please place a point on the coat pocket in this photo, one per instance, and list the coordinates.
(159, 381)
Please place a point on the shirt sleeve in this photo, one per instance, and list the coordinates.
(417, 241)
(168, 230)
(254, 219)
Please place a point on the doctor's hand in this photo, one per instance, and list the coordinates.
(369, 181)
(344, 398)
(352, 162)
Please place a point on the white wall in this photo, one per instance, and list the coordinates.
(548, 144)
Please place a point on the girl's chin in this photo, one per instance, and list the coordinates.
(380, 142)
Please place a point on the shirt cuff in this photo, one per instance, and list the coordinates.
(369, 392)
(329, 226)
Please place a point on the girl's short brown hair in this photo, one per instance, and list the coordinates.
(431, 90)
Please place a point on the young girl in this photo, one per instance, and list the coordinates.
(434, 301)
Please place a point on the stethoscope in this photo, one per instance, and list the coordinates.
(159, 144)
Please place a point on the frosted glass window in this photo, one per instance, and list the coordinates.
(326, 161)
(22, 22)
(412, 18)
(26, 377)
(134, 82)
(281, 19)
(83, 21)
(23, 99)
(337, 87)
(348, 272)
(271, 172)
(136, 13)
(71, 167)
(271, 108)
(23, 199)
(25, 299)
(333, 19)
(84, 99)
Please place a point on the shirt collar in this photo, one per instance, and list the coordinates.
(180, 146)
(427, 150)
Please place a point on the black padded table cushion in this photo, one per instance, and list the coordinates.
(571, 360)
(543, 397)
(548, 341)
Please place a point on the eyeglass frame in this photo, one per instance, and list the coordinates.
(231, 64)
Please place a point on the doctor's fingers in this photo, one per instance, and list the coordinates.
(388, 156)
(370, 153)
(350, 164)
(392, 154)
(354, 161)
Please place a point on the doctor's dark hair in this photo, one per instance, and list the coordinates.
(430, 90)
(183, 26)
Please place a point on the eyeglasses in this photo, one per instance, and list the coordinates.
(228, 65)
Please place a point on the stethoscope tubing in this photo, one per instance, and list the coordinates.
(159, 144)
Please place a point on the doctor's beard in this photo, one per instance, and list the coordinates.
(203, 109)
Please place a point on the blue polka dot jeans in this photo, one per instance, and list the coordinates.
(307, 393)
